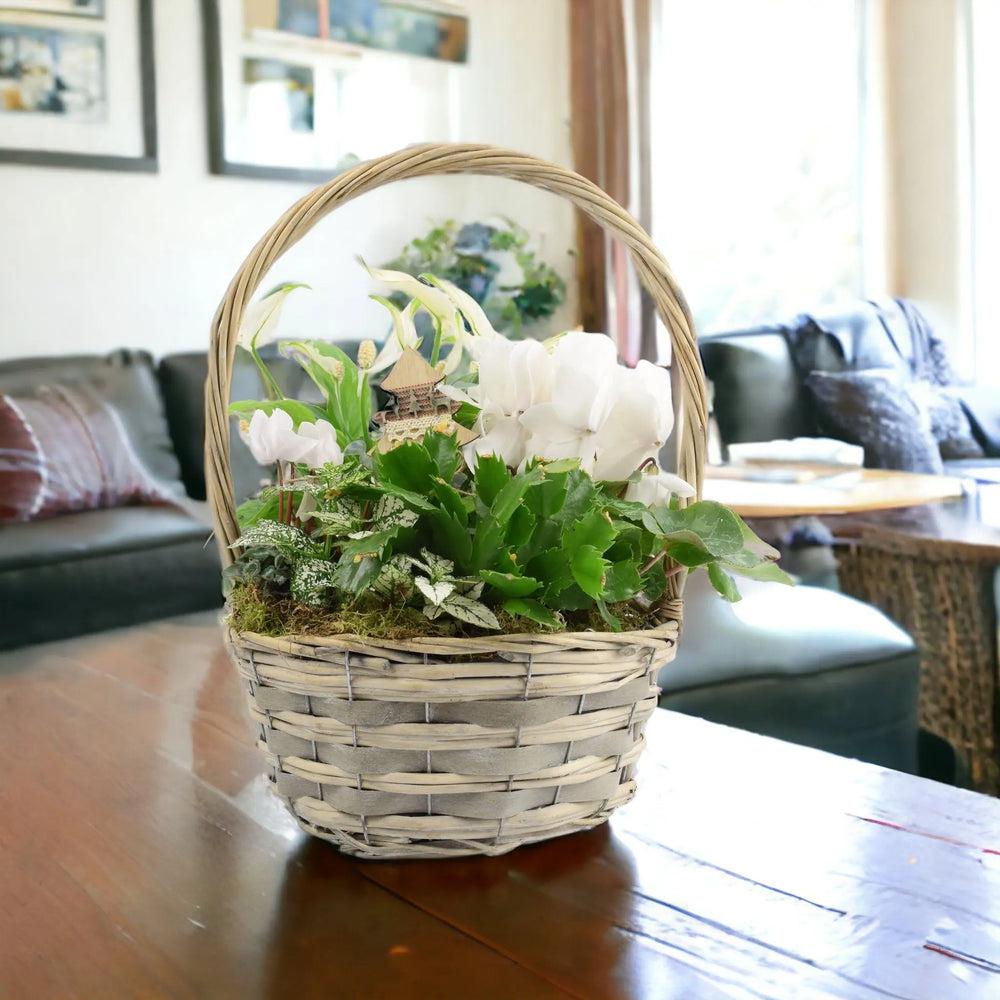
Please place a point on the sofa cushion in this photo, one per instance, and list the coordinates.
(874, 410)
(97, 532)
(125, 379)
(801, 664)
(182, 382)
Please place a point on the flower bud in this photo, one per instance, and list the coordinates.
(366, 354)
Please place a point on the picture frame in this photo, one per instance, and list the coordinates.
(68, 8)
(293, 105)
(90, 100)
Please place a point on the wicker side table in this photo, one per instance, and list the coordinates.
(944, 593)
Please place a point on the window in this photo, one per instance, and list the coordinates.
(757, 132)
(985, 80)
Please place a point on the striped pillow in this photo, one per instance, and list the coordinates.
(65, 449)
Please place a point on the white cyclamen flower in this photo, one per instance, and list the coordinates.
(514, 375)
(260, 322)
(610, 418)
(656, 487)
(325, 448)
(273, 438)
(584, 372)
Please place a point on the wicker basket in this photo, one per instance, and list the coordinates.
(436, 747)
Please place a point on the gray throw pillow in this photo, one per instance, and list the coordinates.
(873, 409)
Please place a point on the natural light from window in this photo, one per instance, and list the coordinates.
(756, 135)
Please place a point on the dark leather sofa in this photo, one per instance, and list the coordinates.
(759, 373)
(844, 679)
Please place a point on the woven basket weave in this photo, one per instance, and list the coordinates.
(437, 747)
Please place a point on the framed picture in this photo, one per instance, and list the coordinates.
(77, 85)
(78, 8)
(288, 100)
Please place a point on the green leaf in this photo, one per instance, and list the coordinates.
(283, 537)
(299, 412)
(511, 494)
(467, 610)
(765, 571)
(311, 579)
(371, 545)
(355, 573)
(594, 529)
(579, 496)
(520, 527)
(408, 465)
(264, 507)
(613, 622)
(589, 570)
(490, 478)
(705, 523)
(444, 453)
(451, 500)
(654, 583)
(723, 582)
(552, 569)
(435, 593)
(546, 499)
(689, 555)
(415, 500)
(436, 567)
(534, 610)
(466, 415)
(394, 581)
(622, 582)
(509, 584)
(450, 537)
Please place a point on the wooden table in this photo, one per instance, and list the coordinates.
(142, 856)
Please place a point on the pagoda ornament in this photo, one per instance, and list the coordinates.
(415, 405)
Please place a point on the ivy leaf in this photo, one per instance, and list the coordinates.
(534, 610)
(589, 569)
(467, 610)
(706, 523)
(283, 537)
(311, 579)
(509, 584)
(723, 582)
(622, 582)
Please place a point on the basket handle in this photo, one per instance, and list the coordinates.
(424, 161)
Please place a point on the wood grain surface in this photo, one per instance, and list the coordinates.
(141, 855)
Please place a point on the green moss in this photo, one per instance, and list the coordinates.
(252, 609)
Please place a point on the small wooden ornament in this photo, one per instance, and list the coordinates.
(416, 406)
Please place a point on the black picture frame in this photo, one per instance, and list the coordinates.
(218, 163)
(148, 161)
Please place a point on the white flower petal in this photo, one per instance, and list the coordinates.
(466, 305)
(260, 321)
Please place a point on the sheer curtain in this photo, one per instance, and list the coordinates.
(758, 134)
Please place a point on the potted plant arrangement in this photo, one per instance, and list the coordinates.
(449, 613)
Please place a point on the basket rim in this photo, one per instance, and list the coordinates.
(669, 629)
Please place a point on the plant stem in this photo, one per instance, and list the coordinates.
(271, 387)
(436, 349)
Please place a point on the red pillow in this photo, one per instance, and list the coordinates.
(65, 449)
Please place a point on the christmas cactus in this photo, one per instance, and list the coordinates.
(506, 485)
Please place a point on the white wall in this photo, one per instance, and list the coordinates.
(90, 261)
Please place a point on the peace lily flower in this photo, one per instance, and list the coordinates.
(403, 335)
(259, 325)
(260, 321)
(514, 375)
(272, 437)
(612, 419)
(654, 487)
